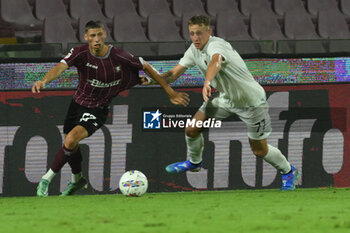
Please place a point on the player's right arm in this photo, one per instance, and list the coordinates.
(178, 98)
(169, 76)
(173, 74)
(53, 74)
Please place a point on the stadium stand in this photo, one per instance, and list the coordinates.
(52, 8)
(282, 6)
(345, 6)
(62, 32)
(128, 28)
(215, 7)
(7, 33)
(162, 27)
(181, 7)
(298, 25)
(248, 7)
(332, 24)
(129, 21)
(147, 7)
(7, 36)
(314, 6)
(87, 8)
(117, 7)
(339, 46)
(231, 26)
(19, 14)
(67, 2)
(264, 26)
(184, 26)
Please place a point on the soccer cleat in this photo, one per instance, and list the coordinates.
(181, 167)
(43, 188)
(290, 179)
(73, 187)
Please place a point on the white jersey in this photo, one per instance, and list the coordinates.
(234, 81)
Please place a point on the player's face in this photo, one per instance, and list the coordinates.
(199, 35)
(96, 38)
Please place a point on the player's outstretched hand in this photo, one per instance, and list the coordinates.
(145, 80)
(206, 91)
(38, 85)
(179, 98)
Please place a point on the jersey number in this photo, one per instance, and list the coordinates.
(261, 127)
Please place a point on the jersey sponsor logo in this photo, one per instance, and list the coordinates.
(87, 116)
(118, 68)
(91, 66)
(98, 83)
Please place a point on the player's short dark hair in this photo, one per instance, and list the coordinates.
(199, 20)
(94, 24)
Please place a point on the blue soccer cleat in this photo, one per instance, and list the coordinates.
(181, 167)
(290, 179)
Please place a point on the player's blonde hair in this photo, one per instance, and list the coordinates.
(199, 20)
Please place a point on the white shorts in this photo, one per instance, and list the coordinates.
(257, 119)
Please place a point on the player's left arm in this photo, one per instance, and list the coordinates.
(178, 98)
(213, 68)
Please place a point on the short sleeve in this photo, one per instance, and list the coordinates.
(72, 58)
(188, 59)
(221, 48)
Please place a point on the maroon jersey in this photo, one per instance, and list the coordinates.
(102, 78)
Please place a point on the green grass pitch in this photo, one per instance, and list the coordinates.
(303, 211)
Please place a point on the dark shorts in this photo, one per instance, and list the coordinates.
(90, 118)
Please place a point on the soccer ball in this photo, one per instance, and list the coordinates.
(133, 183)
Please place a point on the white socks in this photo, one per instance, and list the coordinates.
(277, 160)
(49, 175)
(195, 148)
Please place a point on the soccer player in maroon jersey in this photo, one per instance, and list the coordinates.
(104, 71)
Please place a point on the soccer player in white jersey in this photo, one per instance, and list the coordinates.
(237, 93)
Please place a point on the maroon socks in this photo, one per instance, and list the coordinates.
(64, 155)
